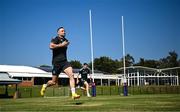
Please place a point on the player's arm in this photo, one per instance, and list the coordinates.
(90, 76)
(79, 73)
(77, 80)
(54, 46)
(89, 73)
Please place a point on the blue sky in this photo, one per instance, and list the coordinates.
(152, 29)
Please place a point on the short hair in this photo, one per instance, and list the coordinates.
(85, 64)
(60, 28)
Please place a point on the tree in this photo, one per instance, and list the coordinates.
(129, 60)
(172, 59)
(141, 62)
(44, 65)
(76, 64)
(169, 61)
(151, 63)
(106, 64)
(148, 63)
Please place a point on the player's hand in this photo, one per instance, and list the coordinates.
(65, 43)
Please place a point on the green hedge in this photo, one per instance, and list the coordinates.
(154, 90)
(100, 90)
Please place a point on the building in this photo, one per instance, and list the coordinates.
(135, 75)
(139, 75)
(6, 80)
(25, 73)
(31, 76)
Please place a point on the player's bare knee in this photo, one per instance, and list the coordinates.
(52, 83)
(71, 76)
(85, 83)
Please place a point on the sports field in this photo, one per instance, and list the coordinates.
(160, 102)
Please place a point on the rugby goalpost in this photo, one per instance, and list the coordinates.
(125, 92)
(92, 53)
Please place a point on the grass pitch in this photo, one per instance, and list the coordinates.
(160, 102)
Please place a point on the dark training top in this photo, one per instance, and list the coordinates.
(59, 54)
(84, 72)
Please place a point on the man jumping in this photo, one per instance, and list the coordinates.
(59, 46)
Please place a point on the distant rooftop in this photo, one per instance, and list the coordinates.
(49, 69)
(5, 79)
(148, 68)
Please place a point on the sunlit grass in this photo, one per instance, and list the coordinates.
(160, 102)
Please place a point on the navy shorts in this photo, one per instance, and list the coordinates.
(58, 68)
(82, 81)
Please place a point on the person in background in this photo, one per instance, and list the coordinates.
(84, 72)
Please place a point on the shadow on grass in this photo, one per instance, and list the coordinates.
(78, 103)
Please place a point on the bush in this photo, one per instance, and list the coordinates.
(34, 91)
